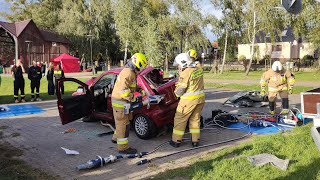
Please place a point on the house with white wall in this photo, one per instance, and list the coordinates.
(284, 48)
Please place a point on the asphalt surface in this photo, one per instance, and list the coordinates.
(41, 138)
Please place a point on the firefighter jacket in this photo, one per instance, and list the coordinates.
(17, 72)
(124, 87)
(58, 74)
(190, 86)
(34, 73)
(277, 81)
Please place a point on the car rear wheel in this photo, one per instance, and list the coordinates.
(144, 127)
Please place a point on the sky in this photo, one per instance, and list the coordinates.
(206, 7)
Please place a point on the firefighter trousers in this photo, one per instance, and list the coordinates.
(18, 84)
(273, 97)
(35, 84)
(121, 133)
(187, 112)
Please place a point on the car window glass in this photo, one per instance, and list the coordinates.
(104, 81)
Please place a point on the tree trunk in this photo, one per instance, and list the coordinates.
(253, 38)
(125, 53)
(225, 52)
(166, 63)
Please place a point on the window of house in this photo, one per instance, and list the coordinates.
(276, 47)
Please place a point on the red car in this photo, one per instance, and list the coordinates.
(93, 101)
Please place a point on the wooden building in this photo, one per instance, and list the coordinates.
(24, 40)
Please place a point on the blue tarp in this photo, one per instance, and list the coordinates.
(18, 110)
(260, 130)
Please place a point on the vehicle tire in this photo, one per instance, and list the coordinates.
(89, 119)
(144, 127)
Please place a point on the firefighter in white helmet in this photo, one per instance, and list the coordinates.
(122, 95)
(189, 89)
(279, 81)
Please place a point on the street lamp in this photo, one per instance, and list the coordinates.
(92, 65)
(28, 51)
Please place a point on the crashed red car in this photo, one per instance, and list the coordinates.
(93, 101)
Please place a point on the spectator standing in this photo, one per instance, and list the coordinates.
(59, 74)
(43, 69)
(35, 75)
(50, 73)
(18, 81)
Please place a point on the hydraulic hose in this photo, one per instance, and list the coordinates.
(144, 161)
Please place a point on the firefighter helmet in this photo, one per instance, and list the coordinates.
(183, 60)
(277, 66)
(139, 60)
(192, 53)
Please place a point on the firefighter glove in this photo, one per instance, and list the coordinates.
(143, 93)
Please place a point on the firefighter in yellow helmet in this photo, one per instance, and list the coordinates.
(279, 81)
(189, 89)
(193, 55)
(122, 95)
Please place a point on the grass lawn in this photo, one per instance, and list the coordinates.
(256, 75)
(296, 89)
(232, 163)
(6, 89)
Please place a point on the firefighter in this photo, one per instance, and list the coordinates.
(18, 81)
(59, 74)
(122, 96)
(279, 81)
(193, 55)
(189, 89)
(35, 75)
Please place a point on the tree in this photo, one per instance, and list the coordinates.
(45, 13)
(230, 25)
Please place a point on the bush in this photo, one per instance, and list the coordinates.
(307, 57)
(242, 58)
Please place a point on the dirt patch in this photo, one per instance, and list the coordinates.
(11, 167)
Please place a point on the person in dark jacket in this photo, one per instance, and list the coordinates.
(50, 79)
(35, 75)
(59, 74)
(18, 81)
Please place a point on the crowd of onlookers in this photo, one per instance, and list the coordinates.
(35, 73)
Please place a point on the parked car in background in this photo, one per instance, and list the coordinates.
(92, 100)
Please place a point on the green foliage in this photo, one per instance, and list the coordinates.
(242, 58)
(307, 58)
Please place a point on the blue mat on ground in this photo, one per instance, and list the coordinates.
(260, 130)
(19, 110)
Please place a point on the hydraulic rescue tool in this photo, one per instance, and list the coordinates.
(150, 100)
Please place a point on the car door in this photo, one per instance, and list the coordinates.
(71, 107)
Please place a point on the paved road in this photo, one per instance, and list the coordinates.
(41, 138)
(314, 84)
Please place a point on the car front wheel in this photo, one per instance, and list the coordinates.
(144, 127)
